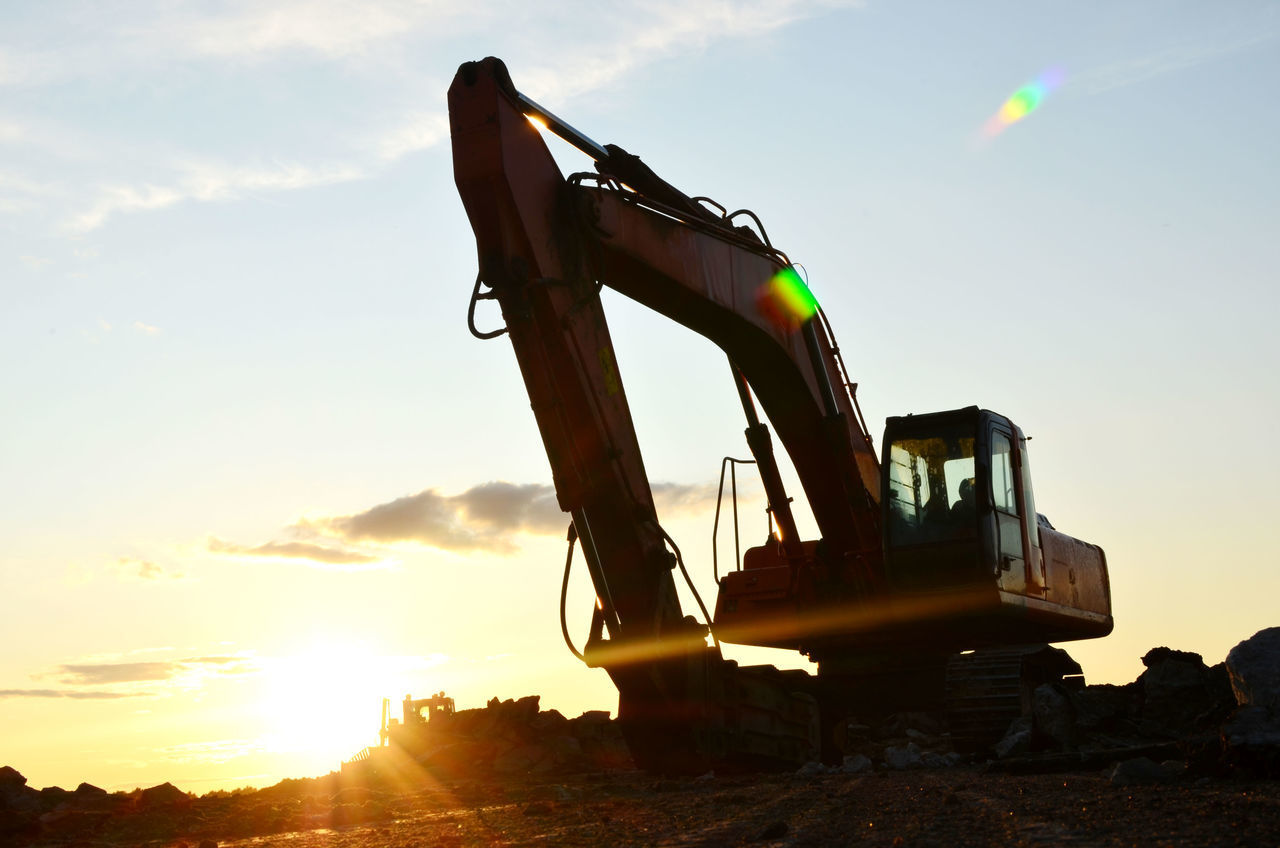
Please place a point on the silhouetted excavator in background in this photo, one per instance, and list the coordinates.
(935, 584)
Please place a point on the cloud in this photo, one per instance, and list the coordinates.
(329, 28)
(141, 569)
(687, 497)
(78, 694)
(371, 42)
(1165, 61)
(219, 751)
(18, 194)
(136, 679)
(207, 182)
(106, 673)
(146, 329)
(657, 30)
(295, 550)
(485, 517)
(109, 673)
(416, 132)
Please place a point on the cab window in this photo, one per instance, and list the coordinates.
(1003, 485)
(931, 488)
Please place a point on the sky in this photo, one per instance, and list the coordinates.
(258, 475)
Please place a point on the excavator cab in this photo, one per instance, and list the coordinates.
(940, 483)
(960, 516)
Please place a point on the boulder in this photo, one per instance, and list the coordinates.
(1053, 717)
(15, 794)
(1254, 670)
(1017, 739)
(1180, 694)
(1105, 708)
(163, 795)
(1251, 741)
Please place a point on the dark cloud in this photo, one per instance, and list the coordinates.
(674, 498)
(484, 517)
(292, 550)
(79, 694)
(96, 673)
(511, 507)
(426, 517)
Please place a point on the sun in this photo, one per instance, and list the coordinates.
(322, 704)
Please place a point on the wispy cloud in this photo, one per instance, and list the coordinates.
(1167, 60)
(263, 28)
(128, 568)
(367, 43)
(75, 694)
(415, 132)
(91, 674)
(218, 751)
(652, 31)
(206, 182)
(19, 194)
(109, 673)
(307, 551)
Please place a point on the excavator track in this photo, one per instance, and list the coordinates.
(987, 690)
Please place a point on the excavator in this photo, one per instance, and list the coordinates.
(934, 583)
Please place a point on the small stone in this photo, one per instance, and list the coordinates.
(903, 758)
(856, 764)
(1138, 771)
(811, 769)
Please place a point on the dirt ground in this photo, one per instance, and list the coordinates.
(936, 808)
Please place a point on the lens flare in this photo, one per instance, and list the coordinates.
(785, 301)
(1022, 102)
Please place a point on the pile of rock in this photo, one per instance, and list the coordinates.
(504, 739)
(904, 740)
(1219, 718)
(54, 812)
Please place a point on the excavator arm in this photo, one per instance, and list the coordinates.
(546, 246)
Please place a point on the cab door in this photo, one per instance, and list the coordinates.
(1011, 559)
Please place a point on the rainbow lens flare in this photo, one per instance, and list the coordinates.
(1022, 102)
(785, 301)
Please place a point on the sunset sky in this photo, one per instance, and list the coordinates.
(257, 475)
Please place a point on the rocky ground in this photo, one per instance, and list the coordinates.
(940, 807)
(1186, 755)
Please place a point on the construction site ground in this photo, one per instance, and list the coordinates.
(947, 807)
(937, 808)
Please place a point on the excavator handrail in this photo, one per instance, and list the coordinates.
(732, 465)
